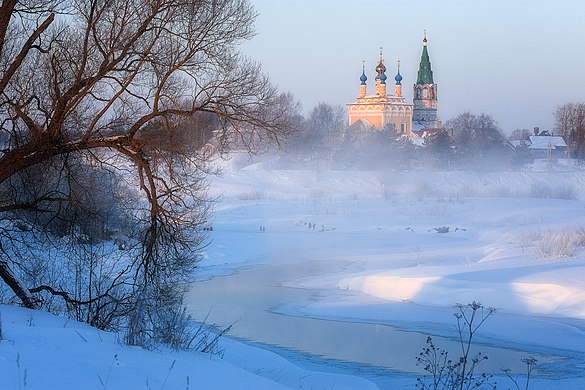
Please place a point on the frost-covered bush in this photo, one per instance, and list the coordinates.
(552, 244)
(390, 192)
(541, 190)
(317, 194)
(252, 195)
(526, 238)
(560, 244)
(424, 190)
(567, 192)
(160, 317)
(502, 191)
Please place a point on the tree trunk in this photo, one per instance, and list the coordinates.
(16, 285)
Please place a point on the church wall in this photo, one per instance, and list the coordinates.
(379, 115)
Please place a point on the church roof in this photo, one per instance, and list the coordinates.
(425, 74)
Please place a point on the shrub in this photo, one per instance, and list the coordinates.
(460, 373)
(567, 192)
(531, 364)
(252, 195)
(552, 244)
(560, 244)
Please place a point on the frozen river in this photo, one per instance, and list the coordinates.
(250, 299)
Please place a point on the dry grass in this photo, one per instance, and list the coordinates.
(567, 192)
(252, 195)
(551, 244)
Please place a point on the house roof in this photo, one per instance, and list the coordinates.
(418, 141)
(546, 142)
(422, 132)
(516, 142)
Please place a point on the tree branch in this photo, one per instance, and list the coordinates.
(7, 76)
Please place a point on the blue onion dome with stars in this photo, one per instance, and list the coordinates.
(363, 77)
(398, 77)
(383, 78)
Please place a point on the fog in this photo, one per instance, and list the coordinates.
(351, 263)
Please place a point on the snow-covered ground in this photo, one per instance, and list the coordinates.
(333, 280)
(42, 351)
(324, 262)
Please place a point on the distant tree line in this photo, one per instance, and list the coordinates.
(325, 140)
(468, 141)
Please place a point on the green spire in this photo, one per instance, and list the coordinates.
(425, 74)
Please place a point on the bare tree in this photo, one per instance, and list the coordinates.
(328, 121)
(570, 123)
(439, 149)
(520, 135)
(477, 137)
(85, 79)
(319, 135)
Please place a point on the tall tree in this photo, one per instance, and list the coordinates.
(570, 123)
(327, 121)
(319, 134)
(324, 125)
(476, 136)
(83, 79)
(521, 135)
(439, 147)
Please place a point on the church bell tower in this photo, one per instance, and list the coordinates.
(425, 92)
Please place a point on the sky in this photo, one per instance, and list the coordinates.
(515, 60)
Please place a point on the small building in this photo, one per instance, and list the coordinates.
(547, 146)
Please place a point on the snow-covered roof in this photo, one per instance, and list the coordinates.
(417, 126)
(417, 141)
(516, 142)
(422, 132)
(360, 125)
(546, 142)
